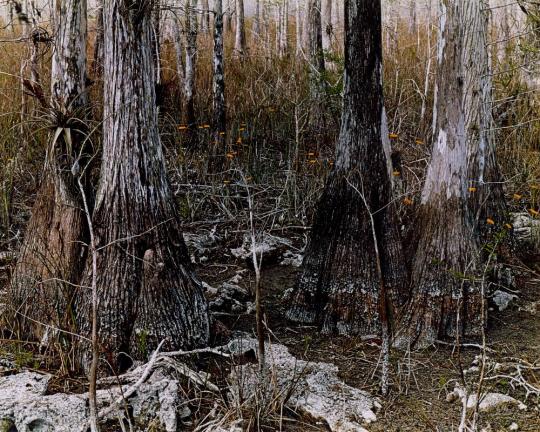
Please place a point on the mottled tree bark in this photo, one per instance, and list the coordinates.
(443, 269)
(179, 52)
(257, 19)
(298, 24)
(205, 16)
(316, 64)
(240, 34)
(191, 63)
(486, 198)
(218, 88)
(52, 254)
(147, 288)
(327, 27)
(340, 285)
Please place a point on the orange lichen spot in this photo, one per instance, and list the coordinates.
(242, 129)
(472, 189)
(490, 221)
(201, 127)
(239, 140)
(312, 161)
(222, 133)
(535, 187)
(182, 127)
(393, 136)
(206, 126)
(396, 173)
(509, 226)
(226, 182)
(517, 196)
(419, 141)
(534, 212)
(330, 162)
(311, 154)
(230, 155)
(408, 201)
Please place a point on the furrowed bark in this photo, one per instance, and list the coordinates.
(52, 254)
(444, 267)
(486, 198)
(339, 286)
(146, 286)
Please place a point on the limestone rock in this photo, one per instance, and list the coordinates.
(314, 388)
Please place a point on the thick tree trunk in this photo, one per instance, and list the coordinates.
(445, 300)
(240, 35)
(219, 113)
(147, 289)
(52, 254)
(340, 284)
(327, 28)
(486, 199)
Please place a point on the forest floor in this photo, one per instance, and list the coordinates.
(421, 379)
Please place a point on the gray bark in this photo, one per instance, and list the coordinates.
(191, 61)
(316, 63)
(486, 199)
(219, 113)
(52, 254)
(148, 291)
(240, 34)
(354, 262)
(447, 248)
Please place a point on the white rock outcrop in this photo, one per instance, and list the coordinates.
(312, 388)
(25, 405)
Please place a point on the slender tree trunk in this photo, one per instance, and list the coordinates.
(156, 38)
(284, 26)
(298, 25)
(219, 120)
(148, 291)
(240, 35)
(52, 254)
(179, 52)
(257, 19)
(205, 16)
(412, 17)
(316, 64)
(340, 284)
(227, 24)
(191, 64)
(486, 199)
(444, 266)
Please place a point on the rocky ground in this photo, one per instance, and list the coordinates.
(313, 381)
